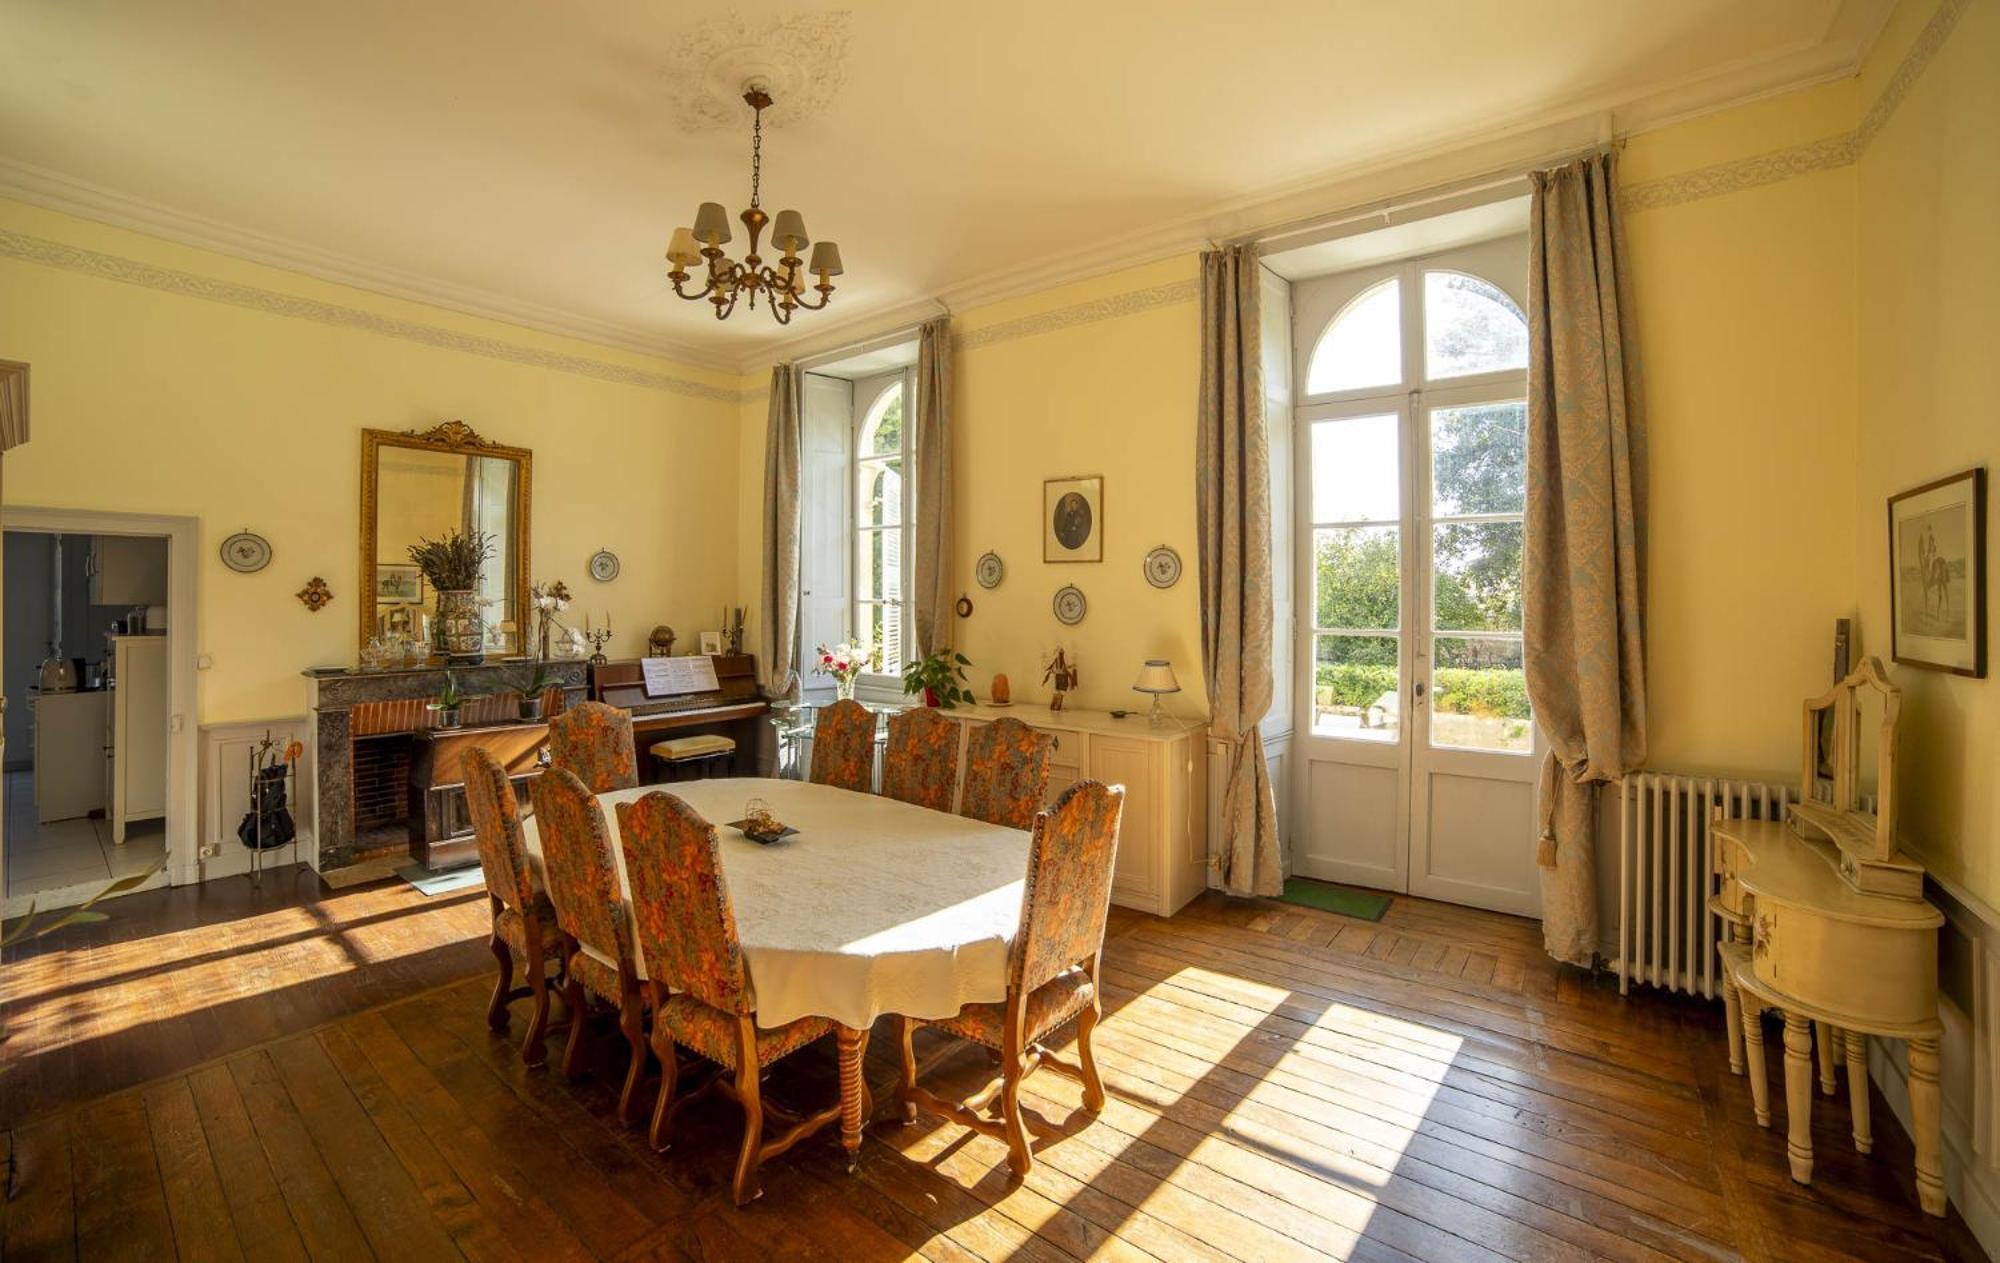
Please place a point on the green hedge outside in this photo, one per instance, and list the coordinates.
(1498, 692)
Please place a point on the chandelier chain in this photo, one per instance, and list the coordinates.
(757, 159)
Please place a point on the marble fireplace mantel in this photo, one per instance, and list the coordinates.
(333, 693)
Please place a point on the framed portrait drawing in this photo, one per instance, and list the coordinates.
(1073, 519)
(1937, 575)
(398, 584)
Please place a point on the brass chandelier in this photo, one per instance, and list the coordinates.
(783, 286)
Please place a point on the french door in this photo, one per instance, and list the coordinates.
(1419, 752)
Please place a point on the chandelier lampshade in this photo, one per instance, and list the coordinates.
(727, 281)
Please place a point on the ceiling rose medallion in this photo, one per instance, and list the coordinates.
(727, 280)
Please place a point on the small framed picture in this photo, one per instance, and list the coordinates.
(398, 584)
(1073, 519)
(1937, 575)
(711, 643)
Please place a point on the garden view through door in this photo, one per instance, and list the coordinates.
(1420, 749)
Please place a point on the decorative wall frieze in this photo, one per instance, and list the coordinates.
(1130, 303)
(111, 267)
(1826, 154)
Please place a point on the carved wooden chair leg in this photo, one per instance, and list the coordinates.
(905, 1101)
(663, 1107)
(1753, 1056)
(1093, 1086)
(534, 1050)
(632, 1021)
(579, 1017)
(750, 1094)
(503, 986)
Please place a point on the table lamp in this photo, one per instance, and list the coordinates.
(1157, 678)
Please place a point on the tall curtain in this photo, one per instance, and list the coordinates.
(1585, 565)
(932, 457)
(1233, 509)
(779, 634)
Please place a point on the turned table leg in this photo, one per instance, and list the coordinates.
(854, 1100)
(1857, 1090)
(1798, 1096)
(1753, 1053)
(1825, 1038)
(1925, 1122)
(1732, 1021)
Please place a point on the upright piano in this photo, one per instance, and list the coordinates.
(734, 709)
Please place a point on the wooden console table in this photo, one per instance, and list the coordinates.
(1802, 940)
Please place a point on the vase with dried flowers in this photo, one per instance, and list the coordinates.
(845, 662)
(454, 564)
(550, 597)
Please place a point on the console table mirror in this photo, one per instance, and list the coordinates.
(1848, 777)
(419, 485)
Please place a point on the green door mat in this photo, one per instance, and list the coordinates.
(1327, 897)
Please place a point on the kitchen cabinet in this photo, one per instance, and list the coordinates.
(128, 570)
(135, 734)
(69, 754)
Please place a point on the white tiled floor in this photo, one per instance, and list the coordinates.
(69, 852)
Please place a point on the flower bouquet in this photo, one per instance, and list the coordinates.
(845, 662)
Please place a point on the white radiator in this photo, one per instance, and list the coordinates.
(1666, 934)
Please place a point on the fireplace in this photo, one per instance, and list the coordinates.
(369, 730)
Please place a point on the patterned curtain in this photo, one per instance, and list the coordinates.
(932, 457)
(779, 635)
(1585, 566)
(1233, 507)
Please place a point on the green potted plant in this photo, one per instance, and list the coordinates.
(531, 692)
(454, 564)
(449, 699)
(940, 677)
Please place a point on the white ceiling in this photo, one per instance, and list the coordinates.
(526, 159)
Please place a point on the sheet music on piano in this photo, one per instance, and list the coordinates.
(671, 677)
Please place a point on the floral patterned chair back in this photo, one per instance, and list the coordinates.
(687, 926)
(921, 764)
(496, 825)
(577, 861)
(1068, 895)
(844, 746)
(594, 742)
(1006, 773)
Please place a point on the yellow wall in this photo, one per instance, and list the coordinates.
(1929, 319)
(158, 402)
(1746, 337)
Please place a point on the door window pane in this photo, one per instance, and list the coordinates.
(882, 628)
(881, 493)
(1470, 326)
(1479, 695)
(1479, 459)
(1477, 566)
(1364, 344)
(1355, 691)
(1357, 579)
(1355, 470)
(879, 576)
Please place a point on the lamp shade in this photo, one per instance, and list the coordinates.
(1157, 677)
(682, 250)
(826, 259)
(788, 232)
(711, 224)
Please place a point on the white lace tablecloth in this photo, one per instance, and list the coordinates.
(875, 906)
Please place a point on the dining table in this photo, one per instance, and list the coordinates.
(873, 906)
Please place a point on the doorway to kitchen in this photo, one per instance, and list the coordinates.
(96, 661)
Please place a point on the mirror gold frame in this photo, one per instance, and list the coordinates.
(461, 439)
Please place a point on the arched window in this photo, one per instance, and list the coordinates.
(1363, 345)
(879, 504)
(1470, 326)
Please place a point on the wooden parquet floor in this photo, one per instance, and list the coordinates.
(309, 1075)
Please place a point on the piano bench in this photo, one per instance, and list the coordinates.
(693, 757)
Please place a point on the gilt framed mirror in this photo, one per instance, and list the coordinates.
(418, 485)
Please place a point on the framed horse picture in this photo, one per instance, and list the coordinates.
(1937, 575)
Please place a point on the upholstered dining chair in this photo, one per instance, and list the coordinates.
(844, 746)
(598, 962)
(1006, 773)
(525, 935)
(921, 763)
(687, 927)
(1051, 973)
(594, 742)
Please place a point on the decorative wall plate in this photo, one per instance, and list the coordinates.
(990, 570)
(1069, 605)
(604, 565)
(246, 552)
(1163, 567)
